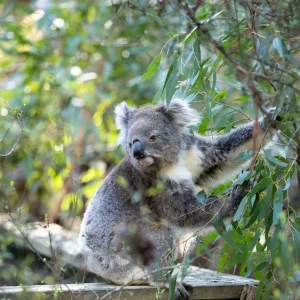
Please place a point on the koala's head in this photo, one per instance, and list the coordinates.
(152, 135)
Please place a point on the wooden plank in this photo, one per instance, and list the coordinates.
(50, 240)
(89, 291)
(248, 293)
(207, 285)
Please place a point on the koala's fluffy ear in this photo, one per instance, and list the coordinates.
(123, 113)
(181, 114)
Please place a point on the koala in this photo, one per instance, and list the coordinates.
(151, 192)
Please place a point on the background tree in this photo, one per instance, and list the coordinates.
(64, 66)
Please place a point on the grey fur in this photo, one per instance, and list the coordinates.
(180, 159)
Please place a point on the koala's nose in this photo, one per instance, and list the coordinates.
(138, 150)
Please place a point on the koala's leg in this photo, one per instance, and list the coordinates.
(105, 254)
(129, 255)
(115, 268)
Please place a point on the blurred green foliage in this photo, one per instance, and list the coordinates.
(64, 66)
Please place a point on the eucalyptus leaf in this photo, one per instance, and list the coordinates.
(255, 215)
(172, 287)
(171, 87)
(152, 69)
(277, 209)
(261, 266)
(241, 99)
(260, 186)
(263, 49)
(221, 229)
(190, 35)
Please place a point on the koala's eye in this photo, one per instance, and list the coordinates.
(130, 145)
(152, 138)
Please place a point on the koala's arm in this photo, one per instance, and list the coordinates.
(186, 211)
(218, 155)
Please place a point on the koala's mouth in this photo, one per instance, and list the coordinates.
(146, 161)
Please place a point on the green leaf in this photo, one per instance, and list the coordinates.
(243, 156)
(207, 107)
(172, 287)
(224, 120)
(221, 229)
(263, 49)
(152, 69)
(171, 87)
(213, 17)
(249, 266)
(277, 209)
(220, 95)
(233, 31)
(279, 195)
(205, 61)
(286, 260)
(214, 67)
(213, 86)
(216, 109)
(197, 50)
(257, 211)
(185, 265)
(296, 236)
(202, 12)
(255, 240)
(205, 121)
(241, 99)
(190, 35)
(259, 290)
(173, 68)
(287, 184)
(280, 46)
(268, 199)
(201, 197)
(158, 94)
(273, 159)
(274, 242)
(260, 186)
(209, 238)
(293, 60)
(241, 209)
(268, 224)
(261, 266)
(235, 225)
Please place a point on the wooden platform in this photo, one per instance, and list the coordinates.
(207, 285)
(53, 240)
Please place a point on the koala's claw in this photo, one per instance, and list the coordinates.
(272, 114)
(239, 191)
(240, 188)
(182, 292)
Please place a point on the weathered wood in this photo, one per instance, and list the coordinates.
(248, 293)
(50, 240)
(55, 242)
(207, 284)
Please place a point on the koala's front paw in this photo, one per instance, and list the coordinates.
(271, 119)
(182, 292)
(275, 116)
(239, 191)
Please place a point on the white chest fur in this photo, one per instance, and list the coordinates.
(188, 167)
